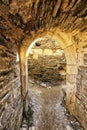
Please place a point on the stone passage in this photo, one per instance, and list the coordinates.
(49, 112)
(23, 22)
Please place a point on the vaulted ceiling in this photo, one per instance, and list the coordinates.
(19, 18)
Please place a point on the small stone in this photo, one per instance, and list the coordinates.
(24, 125)
(24, 121)
(43, 85)
(67, 114)
(32, 128)
(49, 87)
(68, 127)
(23, 128)
(72, 122)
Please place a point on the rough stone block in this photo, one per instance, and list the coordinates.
(37, 51)
(71, 78)
(82, 70)
(35, 56)
(80, 111)
(71, 55)
(80, 59)
(48, 52)
(71, 69)
(59, 53)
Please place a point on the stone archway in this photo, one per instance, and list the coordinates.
(68, 45)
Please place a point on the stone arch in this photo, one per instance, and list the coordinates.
(68, 44)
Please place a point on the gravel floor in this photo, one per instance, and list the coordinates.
(48, 109)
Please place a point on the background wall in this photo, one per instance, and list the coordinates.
(47, 65)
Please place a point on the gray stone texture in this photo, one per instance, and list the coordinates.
(10, 92)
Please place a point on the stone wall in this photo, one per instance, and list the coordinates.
(76, 78)
(81, 95)
(47, 65)
(23, 19)
(10, 91)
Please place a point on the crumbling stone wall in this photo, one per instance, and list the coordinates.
(81, 94)
(10, 91)
(47, 65)
(21, 19)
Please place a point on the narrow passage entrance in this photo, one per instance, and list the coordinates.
(47, 89)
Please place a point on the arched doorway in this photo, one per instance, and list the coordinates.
(46, 68)
(68, 45)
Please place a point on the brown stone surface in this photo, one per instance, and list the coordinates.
(23, 18)
(48, 68)
(81, 95)
(10, 91)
